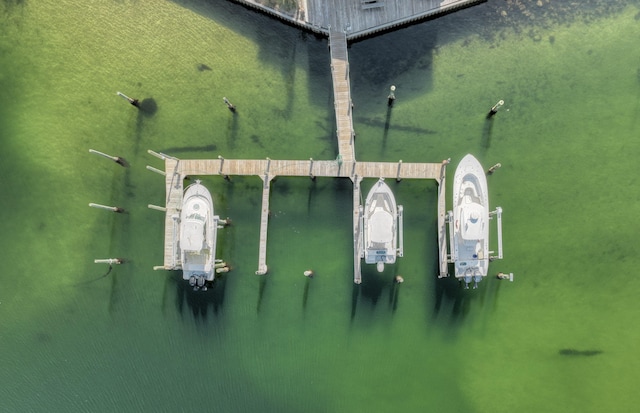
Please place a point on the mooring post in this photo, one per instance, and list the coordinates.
(494, 108)
(116, 159)
(493, 168)
(398, 174)
(109, 261)
(221, 163)
(156, 170)
(109, 208)
(445, 162)
(231, 107)
(391, 96)
(134, 102)
(311, 169)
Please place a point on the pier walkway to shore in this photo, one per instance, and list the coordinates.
(342, 95)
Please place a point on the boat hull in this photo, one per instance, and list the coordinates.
(198, 232)
(470, 246)
(380, 226)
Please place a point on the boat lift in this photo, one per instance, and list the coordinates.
(452, 257)
(498, 214)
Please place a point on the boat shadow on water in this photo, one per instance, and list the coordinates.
(200, 303)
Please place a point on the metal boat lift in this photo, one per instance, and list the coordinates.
(451, 256)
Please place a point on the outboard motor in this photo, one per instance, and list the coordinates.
(467, 281)
(192, 281)
(201, 281)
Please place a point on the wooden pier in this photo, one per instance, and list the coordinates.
(342, 95)
(341, 20)
(177, 169)
(356, 18)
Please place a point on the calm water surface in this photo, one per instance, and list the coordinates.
(73, 337)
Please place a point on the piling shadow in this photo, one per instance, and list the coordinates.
(313, 189)
(232, 130)
(394, 294)
(574, 352)
(146, 109)
(261, 288)
(486, 133)
(385, 134)
(355, 293)
(305, 293)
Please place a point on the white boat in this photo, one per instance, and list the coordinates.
(198, 231)
(380, 226)
(469, 223)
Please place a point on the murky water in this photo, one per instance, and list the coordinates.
(76, 338)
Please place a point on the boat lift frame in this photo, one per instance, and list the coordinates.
(451, 256)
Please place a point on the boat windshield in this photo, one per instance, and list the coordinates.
(195, 216)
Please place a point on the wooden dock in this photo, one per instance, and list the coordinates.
(174, 191)
(342, 95)
(356, 18)
(357, 231)
(341, 20)
(267, 169)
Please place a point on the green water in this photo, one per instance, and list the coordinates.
(136, 339)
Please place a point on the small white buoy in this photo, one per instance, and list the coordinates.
(308, 273)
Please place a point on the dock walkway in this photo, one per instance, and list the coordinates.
(342, 95)
(177, 170)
